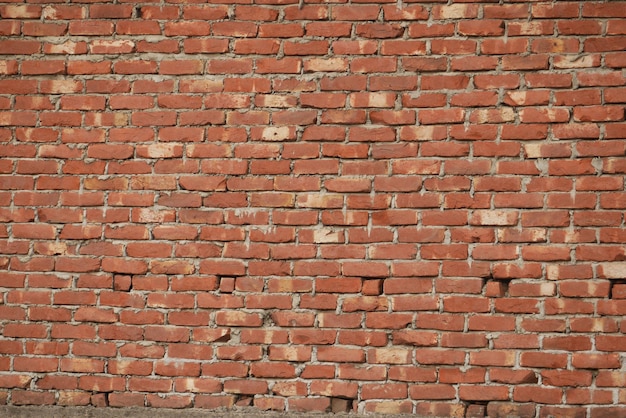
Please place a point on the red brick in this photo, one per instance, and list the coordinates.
(319, 193)
(24, 397)
(246, 387)
(385, 391)
(484, 393)
(537, 394)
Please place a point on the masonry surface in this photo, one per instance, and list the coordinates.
(367, 206)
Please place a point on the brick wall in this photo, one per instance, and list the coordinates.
(369, 206)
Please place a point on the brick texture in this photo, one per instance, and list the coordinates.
(369, 206)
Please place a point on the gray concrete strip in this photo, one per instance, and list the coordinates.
(92, 412)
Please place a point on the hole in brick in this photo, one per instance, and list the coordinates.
(372, 287)
(100, 399)
(617, 289)
(243, 401)
(510, 409)
(505, 288)
(268, 320)
(476, 410)
(122, 283)
(227, 284)
(341, 405)
(223, 339)
(493, 287)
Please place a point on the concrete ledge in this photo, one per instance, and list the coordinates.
(92, 412)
